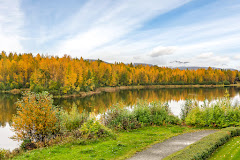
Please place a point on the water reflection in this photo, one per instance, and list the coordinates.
(7, 108)
(100, 103)
(5, 141)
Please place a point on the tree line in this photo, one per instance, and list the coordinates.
(68, 75)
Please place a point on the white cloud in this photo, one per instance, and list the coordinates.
(190, 40)
(115, 21)
(120, 31)
(237, 57)
(205, 55)
(206, 60)
(11, 21)
(160, 51)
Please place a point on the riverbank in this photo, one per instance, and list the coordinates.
(118, 88)
(124, 146)
(129, 134)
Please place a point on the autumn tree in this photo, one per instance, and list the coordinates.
(68, 75)
(36, 118)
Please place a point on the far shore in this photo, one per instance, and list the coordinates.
(118, 88)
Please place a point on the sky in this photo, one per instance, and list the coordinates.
(162, 32)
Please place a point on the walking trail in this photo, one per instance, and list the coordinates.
(170, 146)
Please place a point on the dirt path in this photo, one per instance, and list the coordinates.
(174, 144)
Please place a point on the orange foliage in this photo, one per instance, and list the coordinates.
(68, 75)
(36, 118)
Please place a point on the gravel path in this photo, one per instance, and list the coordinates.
(174, 144)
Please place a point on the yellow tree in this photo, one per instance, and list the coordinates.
(36, 118)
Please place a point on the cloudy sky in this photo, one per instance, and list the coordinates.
(162, 32)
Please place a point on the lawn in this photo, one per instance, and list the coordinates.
(229, 151)
(126, 144)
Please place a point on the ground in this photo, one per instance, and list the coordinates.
(125, 146)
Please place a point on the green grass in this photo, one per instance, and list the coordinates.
(126, 144)
(229, 151)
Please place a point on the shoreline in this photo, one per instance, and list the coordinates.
(118, 88)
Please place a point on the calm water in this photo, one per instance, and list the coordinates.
(100, 103)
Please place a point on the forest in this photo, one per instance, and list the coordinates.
(68, 75)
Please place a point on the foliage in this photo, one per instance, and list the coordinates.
(120, 119)
(72, 120)
(3, 153)
(27, 145)
(188, 105)
(202, 149)
(142, 113)
(154, 113)
(219, 114)
(68, 75)
(93, 130)
(36, 118)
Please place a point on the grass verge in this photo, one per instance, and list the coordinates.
(230, 150)
(125, 145)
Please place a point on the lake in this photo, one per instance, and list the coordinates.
(97, 104)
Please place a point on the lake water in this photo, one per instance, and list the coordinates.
(100, 103)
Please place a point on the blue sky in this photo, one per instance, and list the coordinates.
(197, 32)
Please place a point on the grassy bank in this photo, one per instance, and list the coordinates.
(230, 150)
(119, 132)
(124, 146)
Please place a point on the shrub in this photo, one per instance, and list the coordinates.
(27, 145)
(143, 113)
(202, 149)
(226, 83)
(120, 119)
(154, 113)
(72, 120)
(195, 117)
(3, 153)
(36, 118)
(94, 130)
(220, 114)
(188, 105)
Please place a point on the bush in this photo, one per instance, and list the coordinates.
(3, 153)
(27, 145)
(202, 149)
(72, 120)
(94, 130)
(36, 118)
(143, 113)
(154, 113)
(220, 114)
(120, 119)
(188, 105)
(226, 83)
